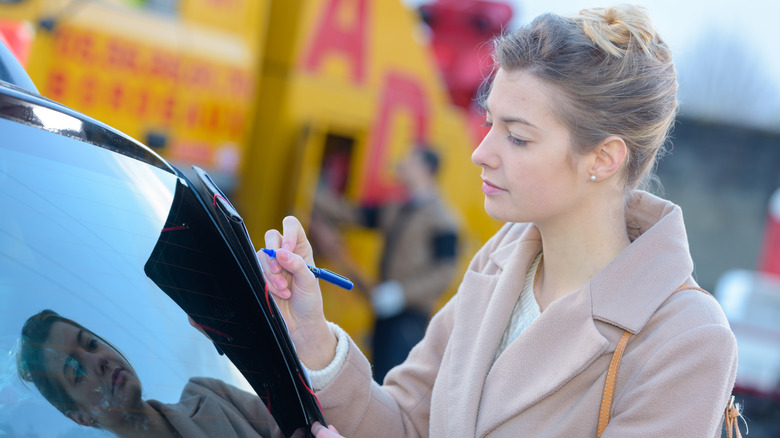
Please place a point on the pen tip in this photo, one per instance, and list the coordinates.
(269, 252)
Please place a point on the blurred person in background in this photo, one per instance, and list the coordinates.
(418, 259)
(91, 382)
(588, 273)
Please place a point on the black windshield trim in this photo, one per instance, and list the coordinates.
(14, 107)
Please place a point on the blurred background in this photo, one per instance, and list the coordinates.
(276, 99)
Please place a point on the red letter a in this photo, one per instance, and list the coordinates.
(345, 39)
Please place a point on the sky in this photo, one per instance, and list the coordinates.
(727, 53)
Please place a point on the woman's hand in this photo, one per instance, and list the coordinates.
(297, 293)
(319, 431)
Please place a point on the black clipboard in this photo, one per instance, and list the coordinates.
(205, 261)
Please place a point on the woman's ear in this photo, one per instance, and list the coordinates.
(608, 157)
(80, 418)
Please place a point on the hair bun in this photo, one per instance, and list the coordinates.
(619, 29)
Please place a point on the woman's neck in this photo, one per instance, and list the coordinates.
(576, 250)
(145, 423)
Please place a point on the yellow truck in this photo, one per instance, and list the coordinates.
(267, 96)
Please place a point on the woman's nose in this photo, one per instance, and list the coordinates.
(482, 155)
(99, 364)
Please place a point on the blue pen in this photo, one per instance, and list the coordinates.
(329, 276)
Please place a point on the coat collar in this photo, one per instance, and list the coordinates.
(519, 250)
(634, 285)
(628, 290)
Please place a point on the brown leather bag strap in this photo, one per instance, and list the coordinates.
(609, 384)
(688, 286)
(731, 418)
(614, 365)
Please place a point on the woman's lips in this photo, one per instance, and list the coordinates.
(117, 379)
(490, 189)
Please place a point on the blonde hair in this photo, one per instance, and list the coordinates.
(615, 75)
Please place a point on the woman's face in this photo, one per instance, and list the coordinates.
(528, 171)
(100, 381)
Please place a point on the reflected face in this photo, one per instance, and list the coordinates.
(528, 171)
(95, 375)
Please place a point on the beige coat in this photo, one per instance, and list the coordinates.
(676, 375)
(212, 408)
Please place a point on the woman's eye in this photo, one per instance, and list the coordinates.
(517, 141)
(487, 124)
(92, 344)
(80, 374)
(78, 370)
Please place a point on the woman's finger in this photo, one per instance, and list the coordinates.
(277, 279)
(273, 240)
(294, 238)
(294, 264)
(319, 431)
(277, 283)
(292, 233)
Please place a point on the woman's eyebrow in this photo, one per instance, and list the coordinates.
(78, 336)
(520, 120)
(508, 120)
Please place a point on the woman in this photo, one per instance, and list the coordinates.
(578, 110)
(92, 383)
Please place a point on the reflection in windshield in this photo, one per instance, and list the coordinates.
(93, 384)
(78, 224)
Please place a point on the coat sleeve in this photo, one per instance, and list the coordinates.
(682, 390)
(358, 406)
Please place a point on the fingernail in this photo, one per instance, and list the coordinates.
(283, 256)
(280, 283)
(287, 245)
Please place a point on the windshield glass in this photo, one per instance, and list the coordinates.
(77, 226)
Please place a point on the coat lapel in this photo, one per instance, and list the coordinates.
(476, 337)
(558, 346)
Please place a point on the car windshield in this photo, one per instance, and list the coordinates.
(86, 236)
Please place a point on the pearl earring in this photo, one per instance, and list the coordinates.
(593, 177)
